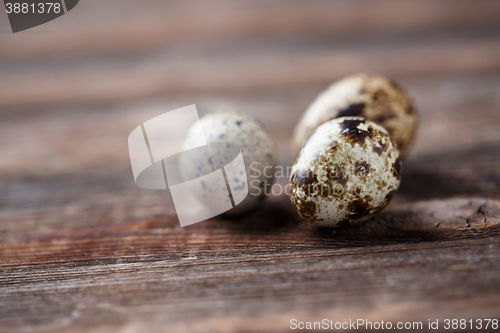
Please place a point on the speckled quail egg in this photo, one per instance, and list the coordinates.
(347, 171)
(258, 149)
(371, 96)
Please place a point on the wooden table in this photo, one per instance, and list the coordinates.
(83, 248)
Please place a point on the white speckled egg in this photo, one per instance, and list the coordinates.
(371, 96)
(258, 149)
(346, 172)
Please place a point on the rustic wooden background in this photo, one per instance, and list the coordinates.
(81, 247)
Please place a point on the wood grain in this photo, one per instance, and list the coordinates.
(82, 248)
(130, 27)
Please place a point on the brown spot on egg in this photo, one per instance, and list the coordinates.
(326, 190)
(380, 95)
(397, 168)
(351, 124)
(358, 208)
(353, 110)
(381, 184)
(383, 117)
(383, 102)
(337, 174)
(381, 149)
(350, 130)
(358, 190)
(306, 209)
(304, 179)
(411, 109)
(378, 150)
(362, 168)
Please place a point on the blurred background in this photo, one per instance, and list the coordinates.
(73, 89)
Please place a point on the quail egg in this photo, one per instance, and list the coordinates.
(239, 131)
(371, 96)
(347, 171)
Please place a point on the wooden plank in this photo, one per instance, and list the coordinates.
(126, 26)
(104, 82)
(84, 248)
(199, 280)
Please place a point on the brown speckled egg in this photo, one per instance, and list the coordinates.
(371, 96)
(258, 149)
(346, 172)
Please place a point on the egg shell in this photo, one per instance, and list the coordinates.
(258, 149)
(347, 171)
(371, 96)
